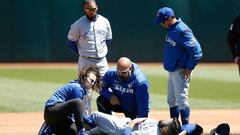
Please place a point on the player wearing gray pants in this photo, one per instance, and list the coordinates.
(89, 36)
(101, 63)
(182, 53)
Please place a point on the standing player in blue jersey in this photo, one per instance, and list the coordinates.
(66, 103)
(125, 89)
(89, 37)
(182, 52)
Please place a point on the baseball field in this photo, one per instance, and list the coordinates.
(214, 94)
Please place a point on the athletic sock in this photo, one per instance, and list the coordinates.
(185, 113)
(174, 112)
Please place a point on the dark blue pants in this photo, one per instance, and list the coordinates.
(105, 106)
(59, 117)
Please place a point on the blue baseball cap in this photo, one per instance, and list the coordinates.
(163, 14)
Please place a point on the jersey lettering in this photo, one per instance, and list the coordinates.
(121, 89)
(90, 35)
(170, 41)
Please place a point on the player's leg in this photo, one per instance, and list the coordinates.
(105, 106)
(55, 115)
(181, 87)
(82, 62)
(45, 129)
(109, 124)
(131, 115)
(171, 99)
(66, 127)
(103, 66)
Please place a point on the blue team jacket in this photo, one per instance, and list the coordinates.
(181, 48)
(133, 94)
(72, 90)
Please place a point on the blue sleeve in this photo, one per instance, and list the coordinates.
(89, 121)
(78, 92)
(109, 41)
(189, 128)
(193, 47)
(142, 97)
(127, 131)
(105, 86)
(72, 45)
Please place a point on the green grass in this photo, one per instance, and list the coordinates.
(42, 75)
(27, 89)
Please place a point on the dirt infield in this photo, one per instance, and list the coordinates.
(29, 123)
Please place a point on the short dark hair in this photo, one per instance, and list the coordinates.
(88, 1)
(174, 128)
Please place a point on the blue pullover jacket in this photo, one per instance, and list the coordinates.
(181, 48)
(133, 94)
(72, 90)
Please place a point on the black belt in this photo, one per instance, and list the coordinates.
(95, 58)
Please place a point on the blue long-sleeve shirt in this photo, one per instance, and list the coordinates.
(69, 91)
(72, 90)
(133, 94)
(181, 48)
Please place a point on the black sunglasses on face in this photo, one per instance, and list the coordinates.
(92, 81)
(91, 9)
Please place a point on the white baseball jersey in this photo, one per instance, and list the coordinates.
(91, 36)
(91, 39)
(108, 124)
(148, 127)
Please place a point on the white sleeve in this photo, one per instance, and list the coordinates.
(148, 127)
(108, 124)
(146, 131)
(109, 29)
(73, 33)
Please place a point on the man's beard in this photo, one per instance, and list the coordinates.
(93, 18)
(123, 78)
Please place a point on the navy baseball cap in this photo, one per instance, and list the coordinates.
(163, 14)
(221, 129)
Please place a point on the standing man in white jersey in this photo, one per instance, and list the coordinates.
(89, 37)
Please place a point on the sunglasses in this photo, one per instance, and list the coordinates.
(124, 71)
(91, 8)
(92, 81)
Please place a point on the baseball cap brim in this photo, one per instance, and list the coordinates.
(212, 132)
